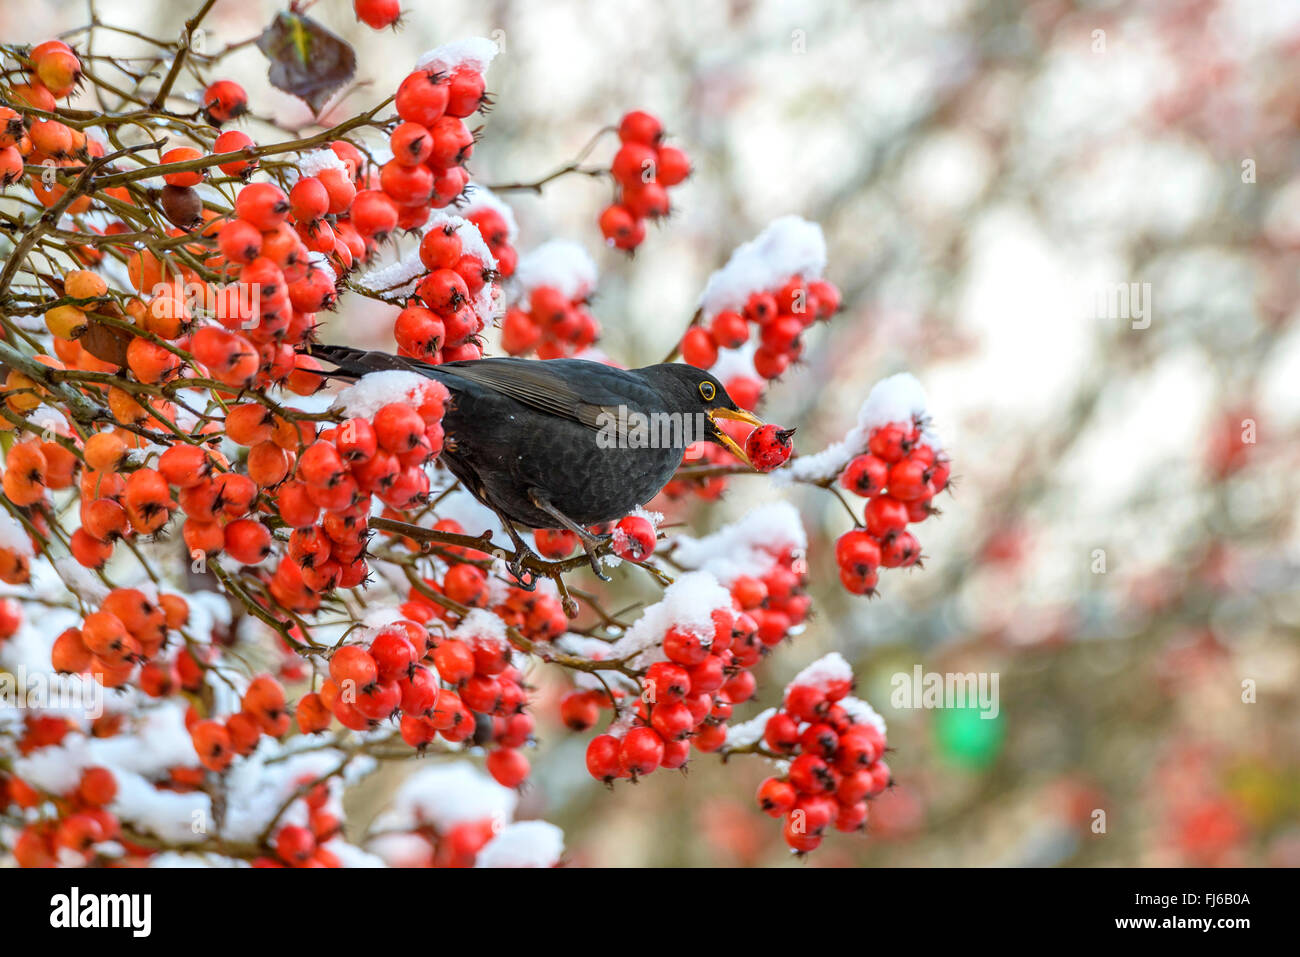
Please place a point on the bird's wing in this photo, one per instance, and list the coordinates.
(550, 387)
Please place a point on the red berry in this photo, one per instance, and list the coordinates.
(224, 101)
(508, 766)
(729, 330)
(603, 762)
(377, 14)
(308, 200)
(640, 127)
(890, 442)
(634, 538)
(698, 348)
(672, 166)
(641, 752)
(900, 550)
(422, 97)
(768, 447)
(262, 204)
(776, 797)
(866, 475)
(884, 514)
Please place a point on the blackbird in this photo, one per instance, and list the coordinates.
(564, 443)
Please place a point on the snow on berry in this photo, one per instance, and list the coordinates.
(454, 815)
(899, 398)
(749, 546)
(561, 264)
(373, 391)
(474, 53)
(862, 713)
(633, 538)
(688, 605)
(830, 672)
(749, 732)
(523, 844)
(313, 163)
(788, 246)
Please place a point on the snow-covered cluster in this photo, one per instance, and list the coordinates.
(375, 390)
(688, 604)
(397, 280)
(457, 795)
(788, 246)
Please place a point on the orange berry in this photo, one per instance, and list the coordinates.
(104, 451)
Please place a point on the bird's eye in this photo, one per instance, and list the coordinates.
(707, 390)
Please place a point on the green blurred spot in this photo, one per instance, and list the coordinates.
(966, 738)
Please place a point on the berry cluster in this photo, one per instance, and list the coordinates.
(688, 697)
(327, 502)
(834, 744)
(481, 695)
(451, 298)
(643, 169)
(549, 314)
(432, 144)
(899, 475)
(130, 628)
(81, 819)
(263, 711)
(53, 74)
(302, 845)
(779, 316)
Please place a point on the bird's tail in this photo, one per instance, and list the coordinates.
(353, 363)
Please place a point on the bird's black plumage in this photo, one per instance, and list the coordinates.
(559, 442)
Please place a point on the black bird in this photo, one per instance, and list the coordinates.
(564, 443)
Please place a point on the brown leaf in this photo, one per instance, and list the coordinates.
(306, 59)
(105, 342)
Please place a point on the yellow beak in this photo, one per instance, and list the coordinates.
(739, 415)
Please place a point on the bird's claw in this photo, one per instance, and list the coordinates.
(596, 566)
(525, 577)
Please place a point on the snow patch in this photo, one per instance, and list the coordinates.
(749, 732)
(523, 844)
(746, 547)
(375, 390)
(561, 264)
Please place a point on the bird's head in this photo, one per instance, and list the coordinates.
(690, 390)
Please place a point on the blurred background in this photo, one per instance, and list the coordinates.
(1121, 547)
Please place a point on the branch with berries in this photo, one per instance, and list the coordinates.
(268, 569)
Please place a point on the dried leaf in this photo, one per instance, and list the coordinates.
(105, 342)
(306, 59)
